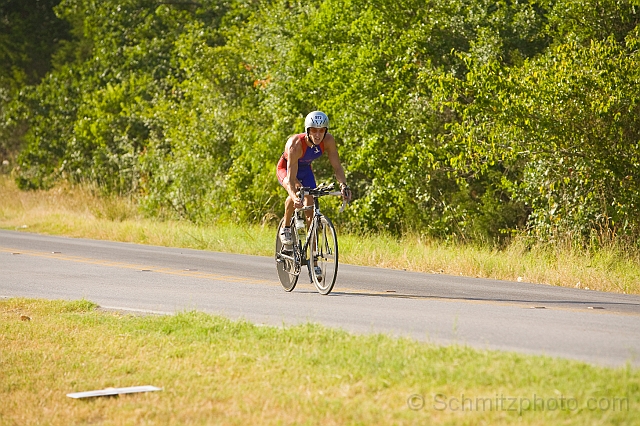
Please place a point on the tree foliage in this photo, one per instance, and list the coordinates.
(30, 33)
(464, 119)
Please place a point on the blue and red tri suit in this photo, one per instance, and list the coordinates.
(305, 173)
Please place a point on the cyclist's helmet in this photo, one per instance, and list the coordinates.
(316, 119)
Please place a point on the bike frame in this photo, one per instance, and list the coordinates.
(300, 250)
(311, 231)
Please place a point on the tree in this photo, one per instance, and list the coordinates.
(30, 33)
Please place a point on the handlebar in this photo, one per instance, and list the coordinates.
(320, 191)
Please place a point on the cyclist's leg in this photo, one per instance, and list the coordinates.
(307, 179)
(288, 210)
(288, 203)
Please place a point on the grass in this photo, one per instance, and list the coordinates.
(78, 212)
(216, 371)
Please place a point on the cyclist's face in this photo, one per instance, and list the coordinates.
(316, 134)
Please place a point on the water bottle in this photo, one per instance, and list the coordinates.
(301, 228)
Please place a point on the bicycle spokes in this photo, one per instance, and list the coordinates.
(325, 255)
(287, 263)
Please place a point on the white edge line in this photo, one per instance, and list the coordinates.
(143, 311)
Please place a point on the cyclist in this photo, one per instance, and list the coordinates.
(294, 167)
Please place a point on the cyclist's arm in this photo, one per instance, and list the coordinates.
(294, 152)
(334, 159)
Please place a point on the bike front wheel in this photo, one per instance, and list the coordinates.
(288, 261)
(325, 255)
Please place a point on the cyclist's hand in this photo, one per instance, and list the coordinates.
(298, 200)
(346, 192)
(298, 203)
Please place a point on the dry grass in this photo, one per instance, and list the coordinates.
(610, 269)
(216, 371)
(78, 212)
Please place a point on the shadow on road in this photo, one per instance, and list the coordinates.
(586, 304)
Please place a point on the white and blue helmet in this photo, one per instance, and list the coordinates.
(316, 119)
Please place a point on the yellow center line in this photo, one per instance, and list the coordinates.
(232, 278)
(170, 271)
(124, 265)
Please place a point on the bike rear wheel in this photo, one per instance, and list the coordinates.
(287, 260)
(324, 252)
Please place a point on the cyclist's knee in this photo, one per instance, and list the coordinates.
(308, 200)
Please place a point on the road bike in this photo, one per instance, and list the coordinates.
(317, 248)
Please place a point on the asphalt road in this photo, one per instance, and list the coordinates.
(596, 327)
